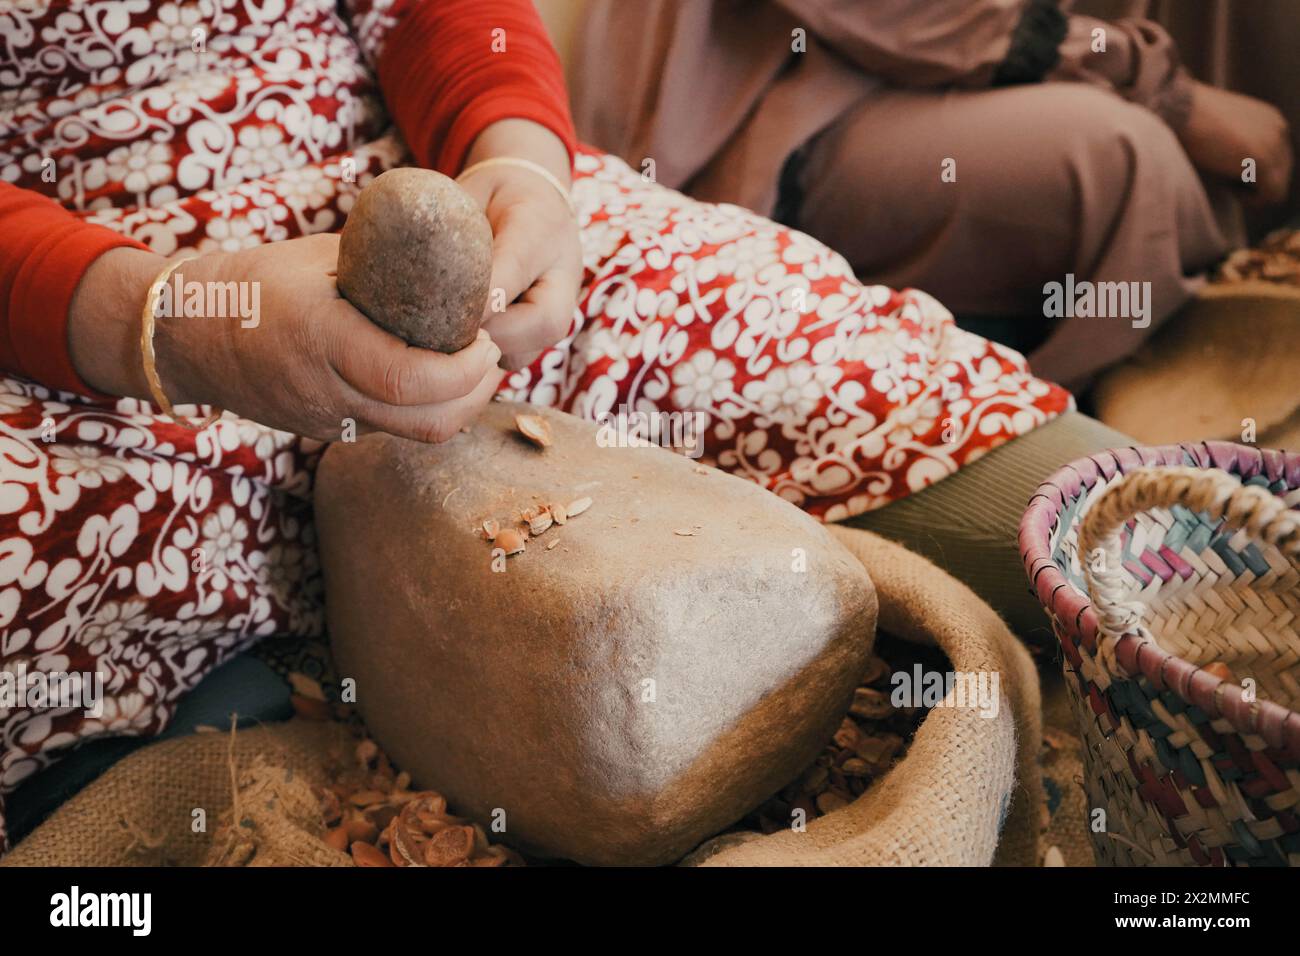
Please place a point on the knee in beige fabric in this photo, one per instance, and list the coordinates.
(1072, 162)
(1110, 147)
(918, 188)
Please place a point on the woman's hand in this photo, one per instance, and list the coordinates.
(536, 256)
(1224, 129)
(306, 362)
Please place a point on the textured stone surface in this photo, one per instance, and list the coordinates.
(415, 256)
(524, 690)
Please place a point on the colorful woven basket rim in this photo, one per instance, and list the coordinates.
(1278, 726)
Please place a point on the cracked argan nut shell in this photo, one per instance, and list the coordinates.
(509, 540)
(363, 854)
(449, 846)
(535, 429)
(415, 256)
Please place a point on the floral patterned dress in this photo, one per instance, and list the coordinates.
(135, 549)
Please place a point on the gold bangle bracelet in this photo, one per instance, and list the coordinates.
(149, 358)
(521, 164)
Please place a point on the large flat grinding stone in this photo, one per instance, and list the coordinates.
(616, 698)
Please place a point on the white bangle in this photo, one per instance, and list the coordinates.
(521, 164)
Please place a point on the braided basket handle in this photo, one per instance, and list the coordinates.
(1209, 490)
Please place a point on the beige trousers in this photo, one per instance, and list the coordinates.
(983, 197)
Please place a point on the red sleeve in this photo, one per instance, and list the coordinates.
(445, 76)
(44, 251)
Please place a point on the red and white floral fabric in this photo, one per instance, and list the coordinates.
(135, 550)
(132, 548)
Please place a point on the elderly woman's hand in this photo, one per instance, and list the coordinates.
(536, 256)
(307, 362)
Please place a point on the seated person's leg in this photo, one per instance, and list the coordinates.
(980, 198)
(969, 524)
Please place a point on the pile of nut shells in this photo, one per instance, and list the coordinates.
(872, 738)
(371, 812)
(1275, 259)
(531, 522)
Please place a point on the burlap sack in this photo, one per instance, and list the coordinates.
(963, 774)
(942, 805)
(141, 812)
(275, 820)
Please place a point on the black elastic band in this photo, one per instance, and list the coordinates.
(1035, 44)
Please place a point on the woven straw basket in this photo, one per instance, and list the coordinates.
(1189, 554)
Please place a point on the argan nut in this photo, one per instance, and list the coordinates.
(363, 854)
(306, 686)
(848, 734)
(829, 802)
(535, 428)
(539, 523)
(309, 708)
(449, 846)
(855, 767)
(509, 540)
(578, 507)
(415, 256)
(870, 704)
